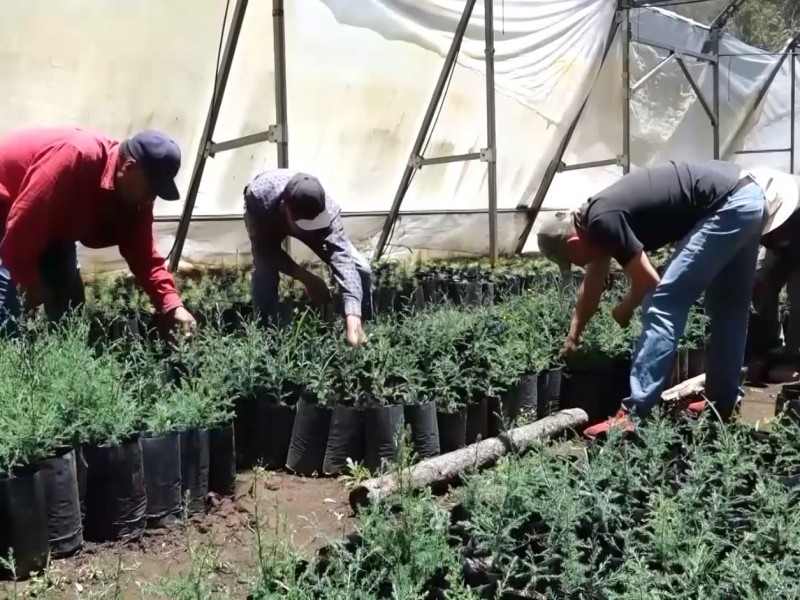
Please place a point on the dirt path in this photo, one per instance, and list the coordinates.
(302, 511)
(759, 403)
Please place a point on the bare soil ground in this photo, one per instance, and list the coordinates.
(304, 511)
(759, 403)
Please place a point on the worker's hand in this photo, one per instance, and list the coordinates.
(355, 333)
(570, 347)
(317, 290)
(622, 314)
(181, 319)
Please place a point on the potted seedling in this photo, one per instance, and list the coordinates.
(303, 350)
(408, 292)
(448, 386)
(59, 357)
(420, 408)
(597, 376)
(217, 354)
(198, 409)
(388, 380)
(441, 340)
(108, 425)
(265, 403)
(497, 365)
(160, 443)
(339, 376)
(514, 373)
(249, 354)
(29, 423)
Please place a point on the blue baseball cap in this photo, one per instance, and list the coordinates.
(160, 158)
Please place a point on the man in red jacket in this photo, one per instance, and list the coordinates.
(65, 185)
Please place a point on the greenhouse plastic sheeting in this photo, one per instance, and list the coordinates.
(355, 98)
(359, 77)
(667, 120)
(770, 127)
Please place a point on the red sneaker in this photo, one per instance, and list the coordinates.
(620, 420)
(696, 408)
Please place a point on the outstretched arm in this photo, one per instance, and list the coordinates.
(643, 279)
(343, 265)
(589, 295)
(147, 265)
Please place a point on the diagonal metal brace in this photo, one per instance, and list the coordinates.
(698, 92)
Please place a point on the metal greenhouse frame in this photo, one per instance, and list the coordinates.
(278, 133)
(680, 55)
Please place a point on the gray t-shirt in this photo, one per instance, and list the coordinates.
(651, 208)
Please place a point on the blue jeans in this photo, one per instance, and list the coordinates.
(265, 287)
(62, 287)
(719, 257)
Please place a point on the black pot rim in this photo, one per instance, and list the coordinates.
(21, 472)
(149, 435)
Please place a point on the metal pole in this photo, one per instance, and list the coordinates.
(726, 14)
(279, 37)
(716, 33)
(208, 132)
(491, 131)
(699, 93)
(626, 87)
(555, 164)
(652, 72)
(408, 173)
(793, 109)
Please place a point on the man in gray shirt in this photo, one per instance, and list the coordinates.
(281, 203)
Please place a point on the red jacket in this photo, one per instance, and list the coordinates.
(58, 185)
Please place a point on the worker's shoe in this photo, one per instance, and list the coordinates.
(621, 420)
(756, 372)
(782, 374)
(696, 408)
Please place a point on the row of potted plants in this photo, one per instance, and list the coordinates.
(467, 281)
(131, 429)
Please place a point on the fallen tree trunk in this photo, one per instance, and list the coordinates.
(448, 467)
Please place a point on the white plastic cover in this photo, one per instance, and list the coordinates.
(360, 75)
(667, 120)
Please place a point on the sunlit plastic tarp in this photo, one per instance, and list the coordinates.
(667, 120)
(359, 77)
(769, 129)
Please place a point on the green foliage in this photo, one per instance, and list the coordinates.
(450, 354)
(692, 509)
(766, 24)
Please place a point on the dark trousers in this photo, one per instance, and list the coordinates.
(774, 274)
(265, 287)
(62, 286)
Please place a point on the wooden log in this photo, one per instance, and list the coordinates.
(447, 467)
(687, 390)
